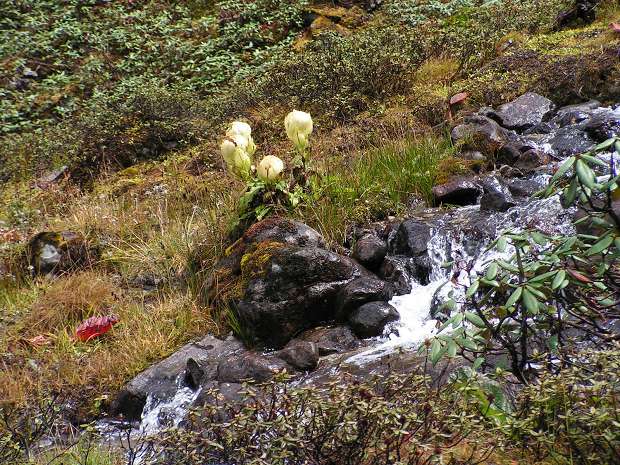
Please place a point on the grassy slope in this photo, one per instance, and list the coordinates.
(152, 216)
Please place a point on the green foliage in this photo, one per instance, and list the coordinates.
(396, 419)
(378, 183)
(551, 286)
(78, 49)
(572, 416)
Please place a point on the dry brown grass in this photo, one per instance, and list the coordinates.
(68, 300)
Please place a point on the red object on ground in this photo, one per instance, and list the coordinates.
(615, 27)
(458, 98)
(94, 327)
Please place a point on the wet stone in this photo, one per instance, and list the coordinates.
(369, 251)
(524, 112)
(303, 355)
(370, 319)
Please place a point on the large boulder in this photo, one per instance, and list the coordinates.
(289, 288)
(369, 251)
(59, 252)
(524, 112)
(457, 192)
(370, 319)
(223, 284)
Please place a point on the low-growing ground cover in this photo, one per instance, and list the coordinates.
(131, 97)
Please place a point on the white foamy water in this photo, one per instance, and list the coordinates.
(468, 261)
(159, 414)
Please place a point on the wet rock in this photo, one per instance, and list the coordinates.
(496, 196)
(369, 251)
(525, 187)
(604, 126)
(541, 128)
(526, 111)
(302, 355)
(411, 238)
(160, 379)
(59, 252)
(400, 271)
(281, 230)
(458, 192)
(360, 291)
(194, 374)
(370, 319)
(480, 133)
(530, 160)
(291, 288)
(331, 340)
(250, 366)
(570, 141)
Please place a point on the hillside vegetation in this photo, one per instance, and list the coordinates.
(111, 114)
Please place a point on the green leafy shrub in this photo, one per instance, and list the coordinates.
(572, 416)
(552, 288)
(396, 419)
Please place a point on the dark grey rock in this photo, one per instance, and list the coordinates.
(369, 251)
(161, 378)
(331, 340)
(496, 197)
(480, 133)
(570, 141)
(524, 112)
(250, 366)
(300, 354)
(400, 271)
(282, 230)
(411, 238)
(525, 187)
(458, 192)
(295, 289)
(360, 291)
(370, 319)
(604, 126)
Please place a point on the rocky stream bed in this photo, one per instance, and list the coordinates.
(322, 315)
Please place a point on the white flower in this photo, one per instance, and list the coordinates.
(298, 125)
(270, 168)
(228, 148)
(241, 133)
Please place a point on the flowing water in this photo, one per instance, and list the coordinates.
(469, 258)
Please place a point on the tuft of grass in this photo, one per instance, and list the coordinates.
(67, 301)
(377, 184)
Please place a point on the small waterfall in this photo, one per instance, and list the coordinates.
(159, 414)
(451, 241)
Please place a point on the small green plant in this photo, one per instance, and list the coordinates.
(552, 288)
(266, 187)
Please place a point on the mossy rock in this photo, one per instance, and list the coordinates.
(56, 253)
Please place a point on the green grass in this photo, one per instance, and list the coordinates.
(377, 184)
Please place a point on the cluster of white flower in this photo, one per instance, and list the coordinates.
(238, 147)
